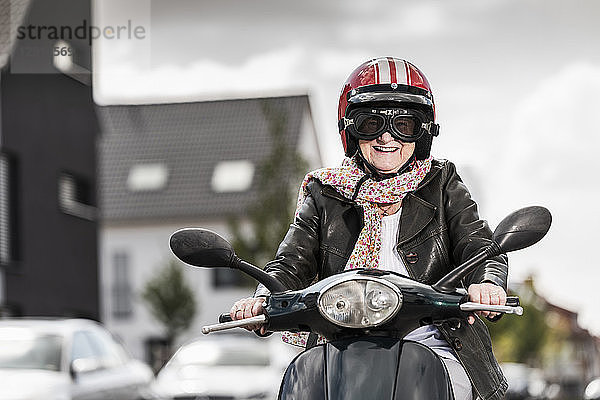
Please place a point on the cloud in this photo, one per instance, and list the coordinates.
(554, 135)
(261, 73)
(385, 21)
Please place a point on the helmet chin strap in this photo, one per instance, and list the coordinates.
(376, 174)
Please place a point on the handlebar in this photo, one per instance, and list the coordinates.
(472, 307)
(225, 322)
(512, 306)
(240, 323)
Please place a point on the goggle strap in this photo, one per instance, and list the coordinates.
(344, 122)
(431, 128)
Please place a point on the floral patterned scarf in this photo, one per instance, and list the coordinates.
(351, 182)
(346, 180)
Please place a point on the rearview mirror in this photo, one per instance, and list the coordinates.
(518, 230)
(201, 248)
(522, 228)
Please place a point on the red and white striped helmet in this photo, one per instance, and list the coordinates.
(389, 80)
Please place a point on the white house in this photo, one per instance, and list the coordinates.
(167, 166)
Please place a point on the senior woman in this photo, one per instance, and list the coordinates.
(392, 206)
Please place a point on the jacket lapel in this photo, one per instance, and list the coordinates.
(416, 214)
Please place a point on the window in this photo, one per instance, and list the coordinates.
(98, 346)
(230, 278)
(232, 176)
(147, 177)
(106, 348)
(121, 286)
(24, 348)
(75, 197)
(8, 210)
(81, 347)
(4, 215)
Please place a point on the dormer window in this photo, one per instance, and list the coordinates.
(232, 176)
(148, 177)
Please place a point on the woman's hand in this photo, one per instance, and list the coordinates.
(247, 308)
(486, 293)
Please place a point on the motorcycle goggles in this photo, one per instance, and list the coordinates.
(404, 125)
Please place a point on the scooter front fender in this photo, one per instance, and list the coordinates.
(367, 368)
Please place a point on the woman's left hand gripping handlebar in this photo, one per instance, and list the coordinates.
(247, 308)
(486, 293)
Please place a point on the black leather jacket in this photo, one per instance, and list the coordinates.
(439, 228)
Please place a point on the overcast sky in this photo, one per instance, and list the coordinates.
(516, 85)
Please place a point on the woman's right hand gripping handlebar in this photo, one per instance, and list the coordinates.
(247, 308)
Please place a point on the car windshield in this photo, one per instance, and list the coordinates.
(23, 348)
(223, 354)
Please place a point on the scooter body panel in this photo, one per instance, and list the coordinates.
(367, 368)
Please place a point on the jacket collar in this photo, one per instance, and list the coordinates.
(436, 167)
(329, 191)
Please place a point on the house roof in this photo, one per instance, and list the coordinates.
(189, 139)
(12, 13)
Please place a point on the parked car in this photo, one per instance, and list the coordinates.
(67, 359)
(524, 382)
(226, 366)
(592, 390)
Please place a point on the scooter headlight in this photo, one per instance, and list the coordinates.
(360, 303)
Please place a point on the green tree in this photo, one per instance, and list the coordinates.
(529, 338)
(278, 177)
(520, 339)
(170, 300)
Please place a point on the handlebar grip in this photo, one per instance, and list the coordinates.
(240, 323)
(513, 301)
(474, 307)
(225, 317)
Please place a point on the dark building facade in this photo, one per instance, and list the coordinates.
(48, 224)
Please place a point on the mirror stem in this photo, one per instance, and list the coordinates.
(270, 283)
(449, 282)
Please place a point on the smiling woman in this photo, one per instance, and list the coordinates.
(398, 209)
(386, 153)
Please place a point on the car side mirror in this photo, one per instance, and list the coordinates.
(82, 366)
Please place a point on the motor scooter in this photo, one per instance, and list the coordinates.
(364, 314)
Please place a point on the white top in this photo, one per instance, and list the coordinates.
(390, 260)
